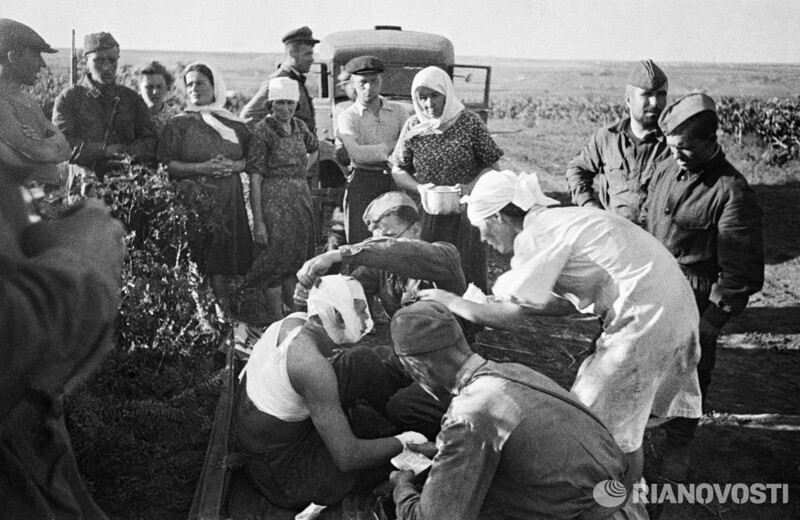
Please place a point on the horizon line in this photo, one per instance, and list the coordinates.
(493, 57)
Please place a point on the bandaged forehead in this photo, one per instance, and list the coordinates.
(337, 293)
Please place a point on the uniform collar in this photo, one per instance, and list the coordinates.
(716, 158)
(623, 127)
(468, 369)
(95, 89)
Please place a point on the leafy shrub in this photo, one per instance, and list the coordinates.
(776, 122)
(133, 422)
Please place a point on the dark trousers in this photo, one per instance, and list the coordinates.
(457, 230)
(681, 430)
(362, 187)
(293, 473)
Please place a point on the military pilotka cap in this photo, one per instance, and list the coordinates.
(646, 75)
(15, 35)
(100, 41)
(302, 35)
(381, 205)
(683, 109)
(424, 327)
(364, 65)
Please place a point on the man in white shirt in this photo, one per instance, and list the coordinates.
(368, 129)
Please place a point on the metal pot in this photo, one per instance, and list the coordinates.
(442, 200)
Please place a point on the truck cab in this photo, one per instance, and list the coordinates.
(403, 53)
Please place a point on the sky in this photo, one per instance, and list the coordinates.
(717, 31)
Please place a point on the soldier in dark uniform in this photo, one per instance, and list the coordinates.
(704, 211)
(622, 157)
(106, 124)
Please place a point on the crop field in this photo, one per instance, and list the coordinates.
(140, 426)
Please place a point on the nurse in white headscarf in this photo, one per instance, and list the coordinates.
(644, 360)
(205, 147)
(442, 151)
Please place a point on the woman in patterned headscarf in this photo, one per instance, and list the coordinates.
(444, 144)
(205, 148)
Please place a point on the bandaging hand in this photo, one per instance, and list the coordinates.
(411, 438)
(427, 448)
(439, 296)
(300, 295)
(316, 267)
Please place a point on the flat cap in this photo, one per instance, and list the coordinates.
(384, 203)
(302, 35)
(364, 65)
(424, 327)
(14, 35)
(99, 41)
(681, 110)
(646, 75)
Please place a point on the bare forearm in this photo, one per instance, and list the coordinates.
(404, 180)
(182, 170)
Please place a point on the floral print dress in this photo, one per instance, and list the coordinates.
(286, 206)
(454, 156)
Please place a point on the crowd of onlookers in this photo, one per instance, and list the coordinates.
(663, 243)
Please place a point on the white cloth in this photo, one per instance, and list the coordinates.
(646, 357)
(436, 79)
(283, 88)
(494, 190)
(268, 384)
(216, 108)
(333, 299)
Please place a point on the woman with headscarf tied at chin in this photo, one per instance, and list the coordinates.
(444, 144)
(205, 147)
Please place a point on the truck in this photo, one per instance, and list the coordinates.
(403, 53)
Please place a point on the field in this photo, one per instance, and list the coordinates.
(758, 366)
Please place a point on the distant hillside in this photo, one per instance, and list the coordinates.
(516, 77)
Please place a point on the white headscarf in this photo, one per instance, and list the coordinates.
(436, 79)
(283, 88)
(494, 190)
(216, 107)
(336, 293)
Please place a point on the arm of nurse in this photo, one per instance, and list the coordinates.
(495, 314)
(312, 376)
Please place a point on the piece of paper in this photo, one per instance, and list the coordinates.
(474, 294)
(411, 460)
(310, 513)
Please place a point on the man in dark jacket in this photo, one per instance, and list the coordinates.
(510, 436)
(106, 124)
(623, 156)
(59, 294)
(706, 214)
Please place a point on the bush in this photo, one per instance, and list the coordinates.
(146, 415)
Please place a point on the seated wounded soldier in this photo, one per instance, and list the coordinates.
(290, 416)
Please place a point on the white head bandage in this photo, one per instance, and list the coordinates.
(336, 293)
(283, 88)
(494, 190)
